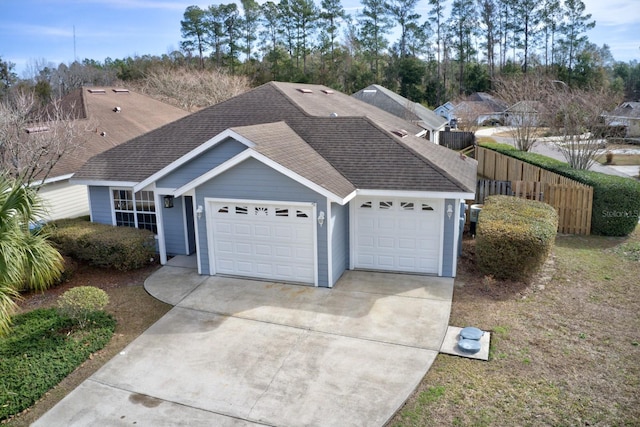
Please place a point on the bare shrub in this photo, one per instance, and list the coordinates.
(191, 90)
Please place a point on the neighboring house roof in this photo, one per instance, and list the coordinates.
(327, 137)
(101, 128)
(401, 107)
(532, 107)
(630, 110)
(489, 102)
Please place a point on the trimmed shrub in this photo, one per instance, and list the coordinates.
(514, 236)
(80, 303)
(616, 200)
(122, 248)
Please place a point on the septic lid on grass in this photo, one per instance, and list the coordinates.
(469, 346)
(471, 333)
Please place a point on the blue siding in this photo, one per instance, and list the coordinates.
(100, 205)
(448, 239)
(203, 163)
(339, 240)
(253, 180)
(173, 223)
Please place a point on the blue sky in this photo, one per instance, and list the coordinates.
(33, 30)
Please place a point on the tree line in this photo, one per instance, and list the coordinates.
(430, 59)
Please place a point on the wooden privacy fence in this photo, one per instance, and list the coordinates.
(456, 140)
(505, 175)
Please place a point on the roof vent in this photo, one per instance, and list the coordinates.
(117, 109)
(333, 115)
(121, 90)
(370, 91)
(327, 91)
(304, 90)
(103, 133)
(37, 129)
(96, 91)
(400, 132)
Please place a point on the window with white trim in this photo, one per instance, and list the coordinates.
(135, 210)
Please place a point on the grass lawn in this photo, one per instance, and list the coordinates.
(565, 349)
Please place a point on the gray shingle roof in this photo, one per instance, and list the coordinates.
(400, 106)
(281, 144)
(353, 150)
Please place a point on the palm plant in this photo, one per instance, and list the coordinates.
(27, 259)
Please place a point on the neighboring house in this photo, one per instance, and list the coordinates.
(628, 115)
(524, 114)
(400, 106)
(106, 117)
(288, 182)
(445, 110)
(480, 108)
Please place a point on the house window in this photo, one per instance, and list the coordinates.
(406, 206)
(241, 210)
(426, 207)
(366, 205)
(385, 205)
(135, 210)
(282, 212)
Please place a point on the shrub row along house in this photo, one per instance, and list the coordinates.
(288, 182)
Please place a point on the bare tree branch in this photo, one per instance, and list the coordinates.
(575, 114)
(33, 138)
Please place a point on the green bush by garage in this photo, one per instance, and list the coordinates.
(514, 236)
(616, 200)
(122, 248)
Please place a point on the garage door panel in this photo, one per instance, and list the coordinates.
(407, 244)
(407, 262)
(264, 241)
(386, 242)
(398, 234)
(262, 231)
(264, 250)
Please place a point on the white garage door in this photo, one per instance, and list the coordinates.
(268, 241)
(398, 234)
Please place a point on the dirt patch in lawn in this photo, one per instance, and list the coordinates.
(565, 347)
(133, 308)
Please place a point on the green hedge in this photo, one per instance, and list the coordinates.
(616, 200)
(514, 236)
(122, 248)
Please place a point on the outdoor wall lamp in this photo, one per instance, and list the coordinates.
(168, 202)
(199, 211)
(321, 218)
(449, 210)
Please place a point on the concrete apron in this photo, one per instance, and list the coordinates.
(236, 352)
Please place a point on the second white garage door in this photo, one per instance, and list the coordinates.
(268, 241)
(398, 234)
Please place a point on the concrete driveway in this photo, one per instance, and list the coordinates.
(235, 352)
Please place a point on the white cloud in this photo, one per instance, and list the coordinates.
(38, 30)
(147, 4)
(614, 12)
